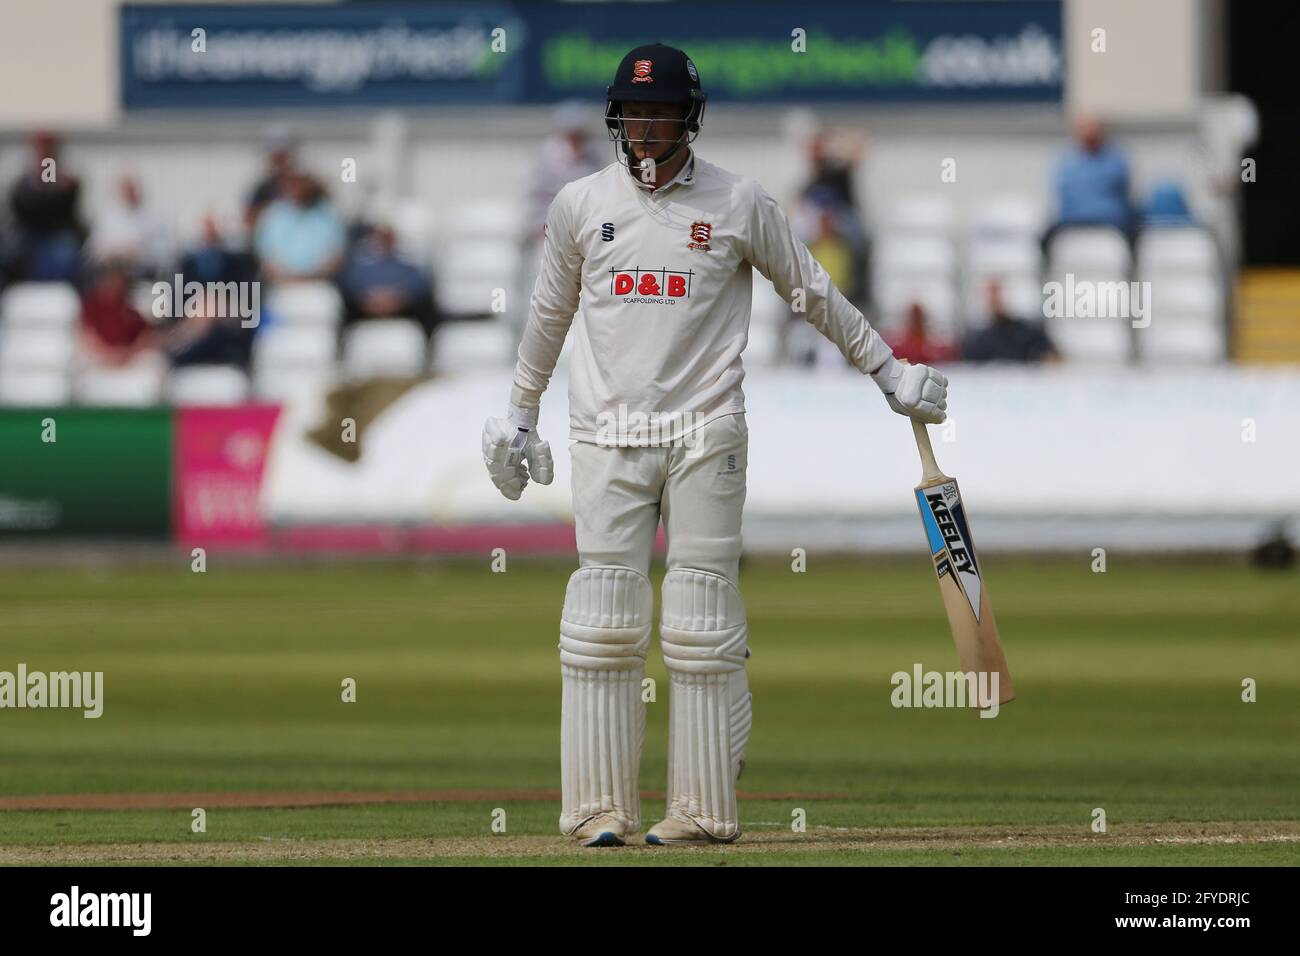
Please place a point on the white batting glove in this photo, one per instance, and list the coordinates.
(514, 452)
(916, 391)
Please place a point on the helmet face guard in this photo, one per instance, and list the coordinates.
(616, 126)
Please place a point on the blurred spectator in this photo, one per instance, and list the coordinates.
(128, 233)
(203, 339)
(916, 344)
(565, 156)
(44, 200)
(832, 160)
(212, 260)
(209, 339)
(300, 236)
(829, 247)
(378, 282)
(1008, 339)
(1092, 182)
(113, 331)
(281, 164)
(827, 214)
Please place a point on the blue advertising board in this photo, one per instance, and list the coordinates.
(241, 55)
(378, 54)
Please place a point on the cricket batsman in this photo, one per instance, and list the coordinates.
(658, 249)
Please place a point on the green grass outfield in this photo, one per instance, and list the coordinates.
(228, 682)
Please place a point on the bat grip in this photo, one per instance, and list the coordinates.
(929, 467)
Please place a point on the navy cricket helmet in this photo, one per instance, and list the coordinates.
(655, 73)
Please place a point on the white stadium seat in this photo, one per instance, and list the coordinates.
(1187, 321)
(1097, 252)
(1187, 284)
(289, 360)
(288, 384)
(1094, 254)
(470, 274)
(220, 385)
(488, 219)
(415, 230)
(38, 347)
(381, 347)
(1092, 340)
(1181, 296)
(921, 215)
(134, 385)
(1010, 216)
(926, 256)
(295, 346)
(34, 387)
(1185, 340)
(473, 344)
(1011, 255)
(40, 303)
(304, 303)
(1188, 251)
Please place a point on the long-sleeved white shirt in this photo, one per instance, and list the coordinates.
(665, 284)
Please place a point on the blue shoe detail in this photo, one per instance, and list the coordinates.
(653, 840)
(607, 838)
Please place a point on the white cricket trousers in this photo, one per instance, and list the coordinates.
(619, 494)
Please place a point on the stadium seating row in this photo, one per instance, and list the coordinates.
(299, 344)
(1178, 305)
(300, 348)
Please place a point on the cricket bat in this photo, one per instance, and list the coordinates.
(961, 579)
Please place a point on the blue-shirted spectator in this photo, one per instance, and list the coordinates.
(1092, 182)
(378, 282)
(300, 236)
(211, 259)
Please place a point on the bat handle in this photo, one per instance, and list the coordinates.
(929, 467)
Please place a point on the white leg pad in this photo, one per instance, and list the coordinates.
(604, 635)
(705, 633)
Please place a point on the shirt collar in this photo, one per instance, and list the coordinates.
(685, 175)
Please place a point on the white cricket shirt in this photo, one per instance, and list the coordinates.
(665, 284)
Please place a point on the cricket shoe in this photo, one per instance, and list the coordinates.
(603, 829)
(676, 831)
